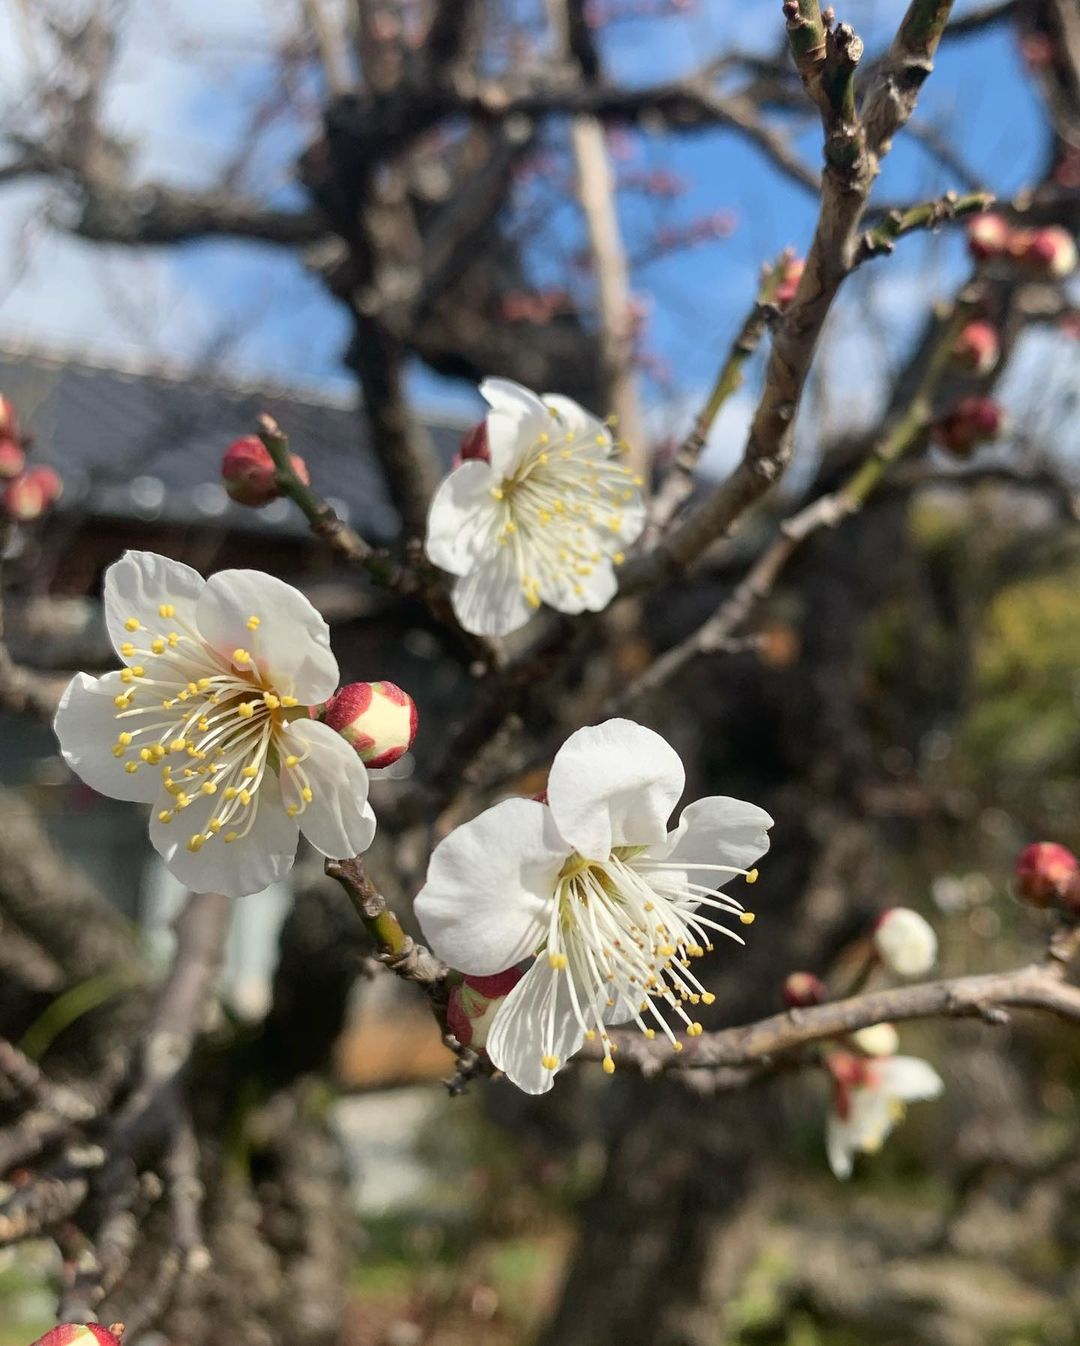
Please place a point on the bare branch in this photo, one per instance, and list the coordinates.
(852, 164)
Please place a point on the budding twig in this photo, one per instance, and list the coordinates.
(325, 523)
(905, 436)
(399, 951)
(679, 482)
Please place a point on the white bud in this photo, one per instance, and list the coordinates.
(877, 1040)
(905, 942)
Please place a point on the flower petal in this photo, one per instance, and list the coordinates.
(570, 592)
(337, 821)
(614, 784)
(489, 600)
(631, 515)
(581, 424)
(137, 585)
(515, 422)
(839, 1146)
(871, 1117)
(290, 642)
(535, 1019)
(461, 517)
(237, 868)
(910, 1079)
(490, 885)
(87, 728)
(719, 831)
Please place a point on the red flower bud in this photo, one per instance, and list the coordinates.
(968, 423)
(1049, 252)
(1046, 873)
(249, 473)
(474, 444)
(977, 348)
(9, 421)
(12, 459)
(25, 499)
(988, 236)
(377, 718)
(803, 989)
(1038, 51)
(49, 481)
(791, 272)
(80, 1334)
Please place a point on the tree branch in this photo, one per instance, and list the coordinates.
(1039, 986)
(853, 152)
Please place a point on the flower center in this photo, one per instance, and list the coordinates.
(210, 722)
(562, 510)
(625, 931)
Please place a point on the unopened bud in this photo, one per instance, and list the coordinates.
(49, 481)
(25, 499)
(877, 1040)
(12, 459)
(9, 421)
(1046, 873)
(1049, 252)
(377, 718)
(791, 272)
(472, 1004)
(474, 445)
(803, 989)
(249, 473)
(988, 236)
(968, 423)
(82, 1334)
(905, 942)
(1038, 50)
(976, 347)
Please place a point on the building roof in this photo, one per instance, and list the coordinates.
(146, 442)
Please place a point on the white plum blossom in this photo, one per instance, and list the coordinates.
(208, 722)
(905, 942)
(613, 904)
(543, 519)
(870, 1098)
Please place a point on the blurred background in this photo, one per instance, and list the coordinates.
(209, 211)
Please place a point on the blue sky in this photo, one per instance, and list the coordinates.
(187, 102)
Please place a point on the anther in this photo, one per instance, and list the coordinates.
(746, 918)
(132, 624)
(549, 1062)
(253, 623)
(241, 657)
(751, 876)
(166, 610)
